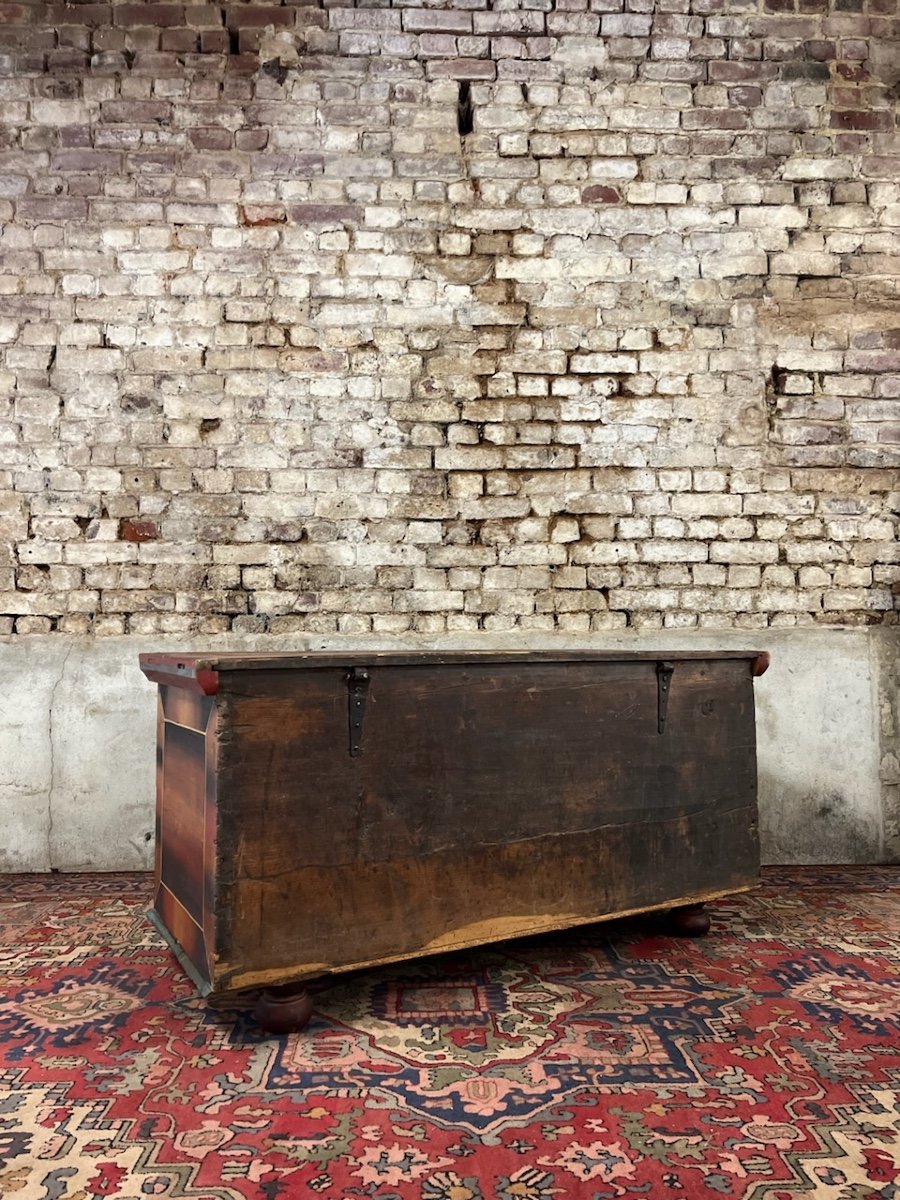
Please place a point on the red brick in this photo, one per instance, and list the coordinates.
(203, 16)
(820, 51)
(84, 15)
(214, 41)
(183, 40)
(852, 74)
(857, 51)
(242, 16)
(597, 193)
(243, 63)
(849, 119)
(851, 143)
(162, 15)
(262, 214)
(138, 531)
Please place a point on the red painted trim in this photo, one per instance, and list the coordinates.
(209, 682)
(179, 670)
(761, 663)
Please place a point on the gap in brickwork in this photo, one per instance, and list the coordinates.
(464, 110)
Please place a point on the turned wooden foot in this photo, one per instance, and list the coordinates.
(692, 920)
(283, 1009)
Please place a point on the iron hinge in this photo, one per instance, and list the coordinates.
(357, 690)
(664, 672)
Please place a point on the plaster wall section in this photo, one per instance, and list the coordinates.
(886, 666)
(77, 790)
(27, 683)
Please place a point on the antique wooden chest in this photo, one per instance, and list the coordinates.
(318, 812)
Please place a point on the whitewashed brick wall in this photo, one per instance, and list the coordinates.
(281, 350)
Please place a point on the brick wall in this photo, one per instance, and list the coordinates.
(281, 349)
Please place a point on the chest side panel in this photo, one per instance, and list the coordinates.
(184, 903)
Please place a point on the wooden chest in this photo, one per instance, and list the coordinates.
(318, 812)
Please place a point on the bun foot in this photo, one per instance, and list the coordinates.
(690, 921)
(283, 1009)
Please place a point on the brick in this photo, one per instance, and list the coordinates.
(462, 68)
(324, 215)
(604, 364)
(136, 112)
(257, 16)
(138, 531)
(51, 208)
(436, 21)
(599, 194)
(161, 15)
(521, 22)
(743, 552)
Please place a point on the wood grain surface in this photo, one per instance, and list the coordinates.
(186, 831)
(488, 799)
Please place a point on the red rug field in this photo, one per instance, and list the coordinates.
(762, 1061)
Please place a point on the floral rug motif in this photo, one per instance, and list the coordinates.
(761, 1062)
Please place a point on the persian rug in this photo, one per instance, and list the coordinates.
(762, 1061)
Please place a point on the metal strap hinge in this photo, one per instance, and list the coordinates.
(357, 690)
(664, 672)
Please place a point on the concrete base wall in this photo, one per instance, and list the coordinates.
(77, 730)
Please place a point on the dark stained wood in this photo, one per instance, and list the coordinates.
(184, 783)
(211, 834)
(691, 920)
(463, 799)
(283, 1009)
(188, 670)
(186, 825)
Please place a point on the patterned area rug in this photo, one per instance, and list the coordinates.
(760, 1061)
